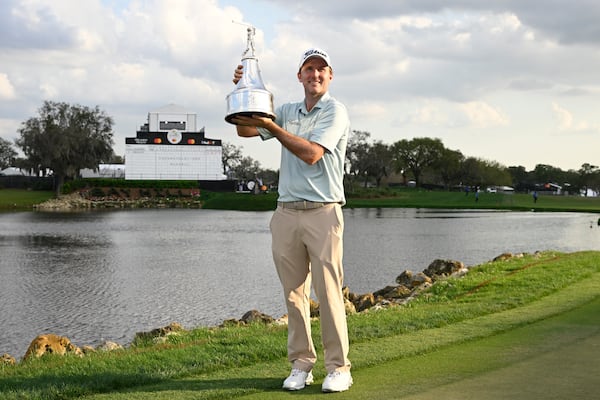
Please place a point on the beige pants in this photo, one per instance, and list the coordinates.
(308, 245)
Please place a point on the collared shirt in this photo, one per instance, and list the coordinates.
(327, 124)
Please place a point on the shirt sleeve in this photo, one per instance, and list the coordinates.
(331, 126)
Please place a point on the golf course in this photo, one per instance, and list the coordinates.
(523, 328)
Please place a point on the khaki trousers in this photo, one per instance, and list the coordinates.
(308, 246)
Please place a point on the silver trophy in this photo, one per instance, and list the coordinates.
(250, 96)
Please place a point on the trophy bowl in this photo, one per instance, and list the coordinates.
(248, 102)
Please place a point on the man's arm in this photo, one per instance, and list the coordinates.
(307, 151)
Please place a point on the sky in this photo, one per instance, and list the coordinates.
(511, 81)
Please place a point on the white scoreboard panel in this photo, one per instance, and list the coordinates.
(173, 162)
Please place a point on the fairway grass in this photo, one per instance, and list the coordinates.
(17, 199)
(501, 319)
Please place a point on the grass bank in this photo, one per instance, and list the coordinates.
(373, 198)
(415, 198)
(19, 199)
(490, 303)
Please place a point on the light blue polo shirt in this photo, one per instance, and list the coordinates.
(326, 124)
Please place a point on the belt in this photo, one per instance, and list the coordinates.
(302, 205)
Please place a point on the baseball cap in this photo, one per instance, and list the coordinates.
(313, 52)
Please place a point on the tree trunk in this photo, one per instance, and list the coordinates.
(59, 181)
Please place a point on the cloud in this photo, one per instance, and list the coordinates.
(482, 115)
(7, 90)
(565, 121)
(32, 26)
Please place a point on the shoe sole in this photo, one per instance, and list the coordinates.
(326, 390)
(293, 389)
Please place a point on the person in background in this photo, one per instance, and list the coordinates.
(307, 226)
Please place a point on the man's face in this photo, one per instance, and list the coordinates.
(315, 76)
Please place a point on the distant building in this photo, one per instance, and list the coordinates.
(170, 147)
(104, 171)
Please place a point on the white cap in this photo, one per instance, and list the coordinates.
(313, 52)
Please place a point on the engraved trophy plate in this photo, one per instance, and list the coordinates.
(250, 96)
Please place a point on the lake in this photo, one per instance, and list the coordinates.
(105, 275)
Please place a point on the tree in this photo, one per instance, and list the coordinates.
(7, 154)
(247, 169)
(378, 162)
(231, 157)
(588, 177)
(449, 167)
(357, 157)
(66, 138)
(417, 155)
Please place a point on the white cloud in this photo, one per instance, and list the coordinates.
(563, 116)
(7, 90)
(482, 115)
(566, 122)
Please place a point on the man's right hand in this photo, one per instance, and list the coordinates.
(237, 74)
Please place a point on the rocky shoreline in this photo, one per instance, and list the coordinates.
(88, 200)
(408, 286)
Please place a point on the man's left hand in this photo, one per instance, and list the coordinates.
(256, 120)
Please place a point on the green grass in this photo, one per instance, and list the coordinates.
(415, 198)
(11, 199)
(223, 363)
(18, 199)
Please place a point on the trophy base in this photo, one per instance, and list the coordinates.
(248, 114)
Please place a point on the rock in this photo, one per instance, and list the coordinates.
(393, 292)
(7, 359)
(109, 346)
(443, 268)
(283, 320)
(503, 257)
(420, 279)
(346, 292)
(364, 302)
(349, 307)
(87, 349)
(51, 344)
(256, 316)
(314, 309)
(65, 203)
(171, 329)
(229, 323)
(405, 278)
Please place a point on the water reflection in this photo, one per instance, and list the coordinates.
(106, 275)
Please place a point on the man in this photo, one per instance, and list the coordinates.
(307, 226)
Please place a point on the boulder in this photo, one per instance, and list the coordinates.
(443, 268)
(109, 346)
(419, 279)
(314, 309)
(503, 257)
(507, 256)
(256, 316)
(393, 292)
(405, 278)
(171, 329)
(349, 307)
(364, 302)
(283, 320)
(7, 359)
(51, 344)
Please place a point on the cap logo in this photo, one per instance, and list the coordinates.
(313, 52)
